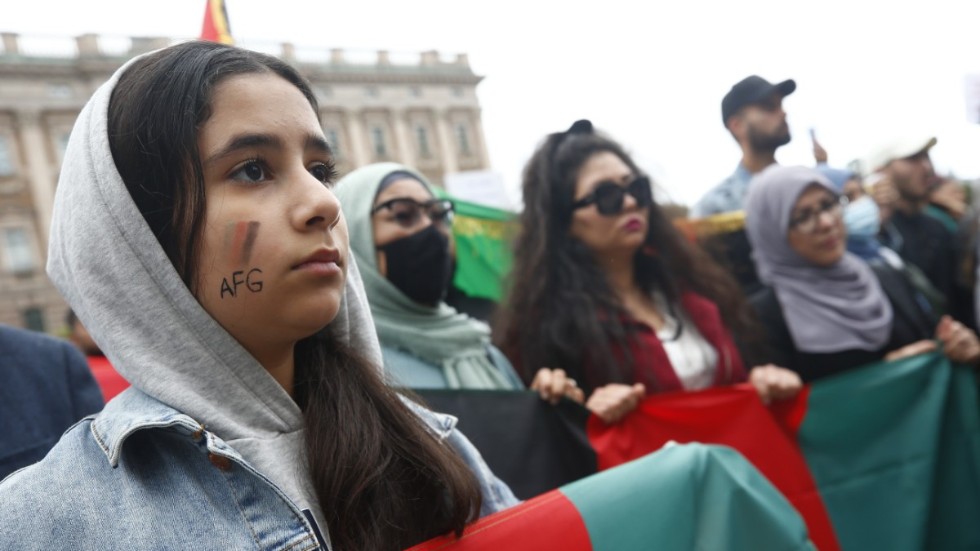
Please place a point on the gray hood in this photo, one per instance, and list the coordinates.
(113, 272)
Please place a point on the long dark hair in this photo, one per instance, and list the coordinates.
(560, 310)
(382, 479)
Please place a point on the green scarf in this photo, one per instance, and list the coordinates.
(438, 335)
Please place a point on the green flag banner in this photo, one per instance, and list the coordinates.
(892, 450)
(682, 497)
(483, 239)
(882, 457)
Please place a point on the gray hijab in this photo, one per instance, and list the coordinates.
(827, 309)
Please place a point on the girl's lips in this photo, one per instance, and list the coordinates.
(319, 268)
(323, 261)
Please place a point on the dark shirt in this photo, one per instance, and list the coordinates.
(912, 322)
(923, 241)
(45, 387)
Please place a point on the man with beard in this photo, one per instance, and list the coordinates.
(904, 179)
(753, 112)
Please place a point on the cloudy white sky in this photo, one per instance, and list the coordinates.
(650, 73)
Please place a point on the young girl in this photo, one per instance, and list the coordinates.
(196, 236)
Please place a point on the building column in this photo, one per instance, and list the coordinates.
(359, 147)
(403, 141)
(39, 173)
(447, 149)
(481, 138)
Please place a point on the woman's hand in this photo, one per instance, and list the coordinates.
(914, 349)
(552, 384)
(774, 382)
(613, 402)
(959, 343)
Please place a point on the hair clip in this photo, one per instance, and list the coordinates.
(582, 126)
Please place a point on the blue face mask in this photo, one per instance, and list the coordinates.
(861, 218)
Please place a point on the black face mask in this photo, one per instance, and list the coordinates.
(420, 265)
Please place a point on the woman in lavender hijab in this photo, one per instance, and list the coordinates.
(824, 309)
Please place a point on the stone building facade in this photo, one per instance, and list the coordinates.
(375, 106)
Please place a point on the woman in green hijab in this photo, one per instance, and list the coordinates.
(401, 235)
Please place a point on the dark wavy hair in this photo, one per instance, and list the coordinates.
(382, 479)
(560, 310)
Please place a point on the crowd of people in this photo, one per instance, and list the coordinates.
(266, 316)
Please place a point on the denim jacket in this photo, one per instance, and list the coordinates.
(142, 475)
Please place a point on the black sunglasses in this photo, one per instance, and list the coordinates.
(407, 212)
(609, 196)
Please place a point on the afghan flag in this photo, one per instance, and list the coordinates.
(681, 498)
(882, 457)
(216, 27)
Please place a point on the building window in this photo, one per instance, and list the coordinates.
(457, 91)
(422, 135)
(372, 91)
(333, 138)
(17, 251)
(59, 90)
(33, 319)
(463, 139)
(378, 140)
(415, 91)
(6, 157)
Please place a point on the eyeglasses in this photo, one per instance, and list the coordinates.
(609, 196)
(806, 220)
(408, 212)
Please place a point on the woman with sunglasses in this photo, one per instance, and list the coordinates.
(604, 287)
(401, 237)
(824, 309)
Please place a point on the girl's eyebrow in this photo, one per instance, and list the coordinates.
(248, 141)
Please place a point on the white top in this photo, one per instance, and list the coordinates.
(692, 357)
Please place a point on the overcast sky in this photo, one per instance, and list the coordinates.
(652, 74)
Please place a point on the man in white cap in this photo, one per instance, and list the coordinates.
(752, 111)
(904, 180)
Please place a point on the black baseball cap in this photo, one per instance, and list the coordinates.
(750, 90)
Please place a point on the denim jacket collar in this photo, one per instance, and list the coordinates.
(133, 411)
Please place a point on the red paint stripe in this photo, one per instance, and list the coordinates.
(549, 521)
(241, 228)
(253, 230)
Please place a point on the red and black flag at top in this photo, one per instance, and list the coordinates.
(216, 27)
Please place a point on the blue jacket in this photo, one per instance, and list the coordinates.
(45, 387)
(142, 475)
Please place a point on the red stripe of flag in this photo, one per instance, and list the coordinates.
(728, 416)
(549, 521)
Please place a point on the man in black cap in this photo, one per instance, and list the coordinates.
(753, 112)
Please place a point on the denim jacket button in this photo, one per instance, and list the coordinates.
(220, 461)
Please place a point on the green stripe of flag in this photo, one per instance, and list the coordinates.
(893, 448)
(686, 497)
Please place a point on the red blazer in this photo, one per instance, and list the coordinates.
(651, 364)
